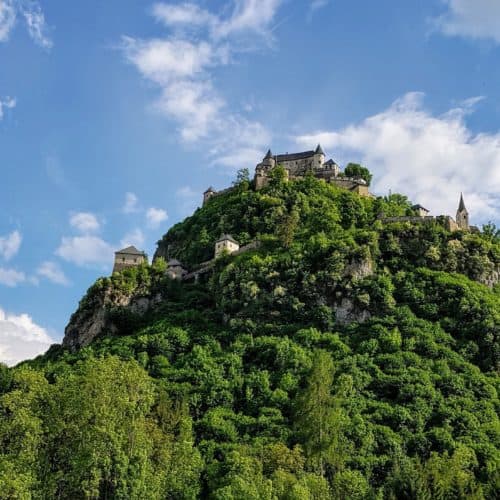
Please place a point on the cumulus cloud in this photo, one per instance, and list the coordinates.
(155, 216)
(6, 102)
(134, 237)
(86, 250)
(11, 277)
(182, 63)
(52, 272)
(131, 203)
(10, 244)
(21, 338)
(471, 18)
(34, 19)
(85, 222)
(430, 158)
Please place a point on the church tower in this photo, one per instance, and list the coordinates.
(462, 215)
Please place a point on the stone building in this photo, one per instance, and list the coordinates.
(420, 211)
(128, 257)
(297, 165)
(226, 244)
(175, 270)
(462, 218)
(208, 194)
(421, 217)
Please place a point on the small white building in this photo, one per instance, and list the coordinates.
(226, 244)
(175, 270)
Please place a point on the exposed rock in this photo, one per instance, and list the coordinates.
(347, 312)
(490, 277)
(89, 322)
(359, 269)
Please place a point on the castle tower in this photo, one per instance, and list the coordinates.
(128, 257)
(319, 157)
(208, 194)
(462, 215)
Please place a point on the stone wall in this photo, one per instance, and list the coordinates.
(124, 261)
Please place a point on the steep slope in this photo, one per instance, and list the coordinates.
(342, 358)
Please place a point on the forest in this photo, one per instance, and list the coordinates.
(343, 358)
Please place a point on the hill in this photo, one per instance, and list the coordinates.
(342, 358)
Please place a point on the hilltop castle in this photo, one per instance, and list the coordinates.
(298, 165)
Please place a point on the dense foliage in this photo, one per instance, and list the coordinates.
(342, 359)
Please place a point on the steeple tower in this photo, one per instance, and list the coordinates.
(462, 215)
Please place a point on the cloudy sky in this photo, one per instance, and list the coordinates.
(115, 116)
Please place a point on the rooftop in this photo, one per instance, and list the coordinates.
(227, 237)
(131, 250)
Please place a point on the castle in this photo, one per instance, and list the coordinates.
(297, 166)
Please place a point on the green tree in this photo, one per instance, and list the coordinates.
(357, 170)
(320, 420)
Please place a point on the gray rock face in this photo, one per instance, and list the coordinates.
(87, 324)
(346, 312)
(359, 269)
(490, 277)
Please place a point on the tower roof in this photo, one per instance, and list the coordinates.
(461, 205)
(131, 250)
(228, 237)
(419, 207)
(210, 190)
(319, 150)
(268, 155)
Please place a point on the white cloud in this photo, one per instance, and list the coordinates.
(33, 16)
(186, 14)
(249, 16)
(7, 102)
(155, 216)
(35, 22)
(430, 158)
(135, 238)
(182, 63)
(7, 19)
(131, 204)
(164, 61)
(21, 338)
(11, 277)
(10, 244)
(53, 272)
(86, 250)
(246, 16)
(471, 18)
(85, 222)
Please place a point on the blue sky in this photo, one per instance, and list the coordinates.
(115, 116)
